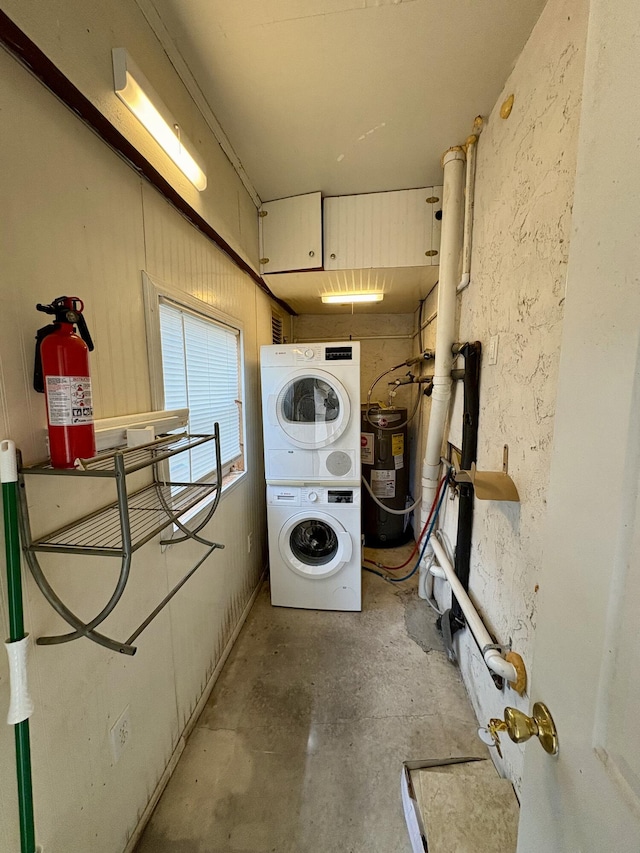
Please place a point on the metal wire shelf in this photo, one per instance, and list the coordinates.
(119, 529)
(101, 532)
(133, 458)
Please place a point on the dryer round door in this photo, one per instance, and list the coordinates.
(312, 409)
(314, 545)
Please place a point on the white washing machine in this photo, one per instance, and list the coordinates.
(311, 412)
(315, 547)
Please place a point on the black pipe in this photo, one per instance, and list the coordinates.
(462, 563)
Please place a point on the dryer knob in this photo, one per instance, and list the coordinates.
(312, 497)
(308, 353)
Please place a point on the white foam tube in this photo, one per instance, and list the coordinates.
(8, 462)
(20, 706)
(450, 244)
(492, 656)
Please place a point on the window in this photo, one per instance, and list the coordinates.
(196, 359)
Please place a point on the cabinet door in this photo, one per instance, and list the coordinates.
(390, 229)
(291, 234)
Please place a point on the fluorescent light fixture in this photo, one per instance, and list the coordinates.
(135, 91)
(348, 298)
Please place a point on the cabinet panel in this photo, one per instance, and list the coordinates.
(390, 229)
(291, 234)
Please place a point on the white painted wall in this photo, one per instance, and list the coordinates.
(78, 37)
(524, 192)
(78, 220)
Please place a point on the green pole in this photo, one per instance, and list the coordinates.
(8, 468)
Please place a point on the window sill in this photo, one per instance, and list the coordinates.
(229, 483)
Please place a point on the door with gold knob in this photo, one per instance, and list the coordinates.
(586, 799)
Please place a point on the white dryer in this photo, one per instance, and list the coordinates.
(311, 412)
(315, 547)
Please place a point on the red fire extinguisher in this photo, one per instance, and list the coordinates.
(62, 373)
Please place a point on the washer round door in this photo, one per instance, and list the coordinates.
(314, 545)
(312, 409)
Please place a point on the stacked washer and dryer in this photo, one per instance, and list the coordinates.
(310, 414)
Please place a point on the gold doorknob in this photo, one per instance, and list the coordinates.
(520, 727)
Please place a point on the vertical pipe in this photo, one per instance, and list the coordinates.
(450, 246)
(471, 353)
(9, 471)
(469, 193)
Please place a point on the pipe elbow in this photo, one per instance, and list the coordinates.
(454, 153)
(464, 282)
(499, 665)
(437, 571)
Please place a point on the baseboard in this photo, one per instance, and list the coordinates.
(190, 725)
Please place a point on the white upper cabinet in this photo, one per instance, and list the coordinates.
(389, 229)
(291, 234)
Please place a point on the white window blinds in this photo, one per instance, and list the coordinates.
(201, 371)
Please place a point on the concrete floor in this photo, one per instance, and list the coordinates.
(301, 744)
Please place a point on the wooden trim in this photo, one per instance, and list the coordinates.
(29, 54)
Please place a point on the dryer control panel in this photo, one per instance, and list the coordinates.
(326, 353)
(312, 496)
(339, 354)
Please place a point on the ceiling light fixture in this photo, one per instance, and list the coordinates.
(349, 298)
(135, 91)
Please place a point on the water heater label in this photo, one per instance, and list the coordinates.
(397, 444)
(366, 448)
(398, 461)
(69, 400)
(383, 484)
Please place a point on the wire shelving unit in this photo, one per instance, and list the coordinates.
(122, 527)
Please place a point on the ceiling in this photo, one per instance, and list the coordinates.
(403, 288)
(347, 96)
(344, 97)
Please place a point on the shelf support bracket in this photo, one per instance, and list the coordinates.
(193, 534)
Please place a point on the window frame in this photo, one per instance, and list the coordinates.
(156, 292)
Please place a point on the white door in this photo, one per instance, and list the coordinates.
(291, 234)
(587, 656)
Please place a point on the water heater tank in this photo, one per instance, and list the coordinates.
(385, 467)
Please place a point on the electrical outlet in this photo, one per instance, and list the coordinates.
(493, 350)
(249, 543)
(120, 734)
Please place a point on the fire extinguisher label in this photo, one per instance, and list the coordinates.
(69, 400)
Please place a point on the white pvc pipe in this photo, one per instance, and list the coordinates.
(468, 213)
(492, 657)
(469, 195)
(450, 245)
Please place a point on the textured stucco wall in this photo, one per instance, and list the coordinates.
(524, 193)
